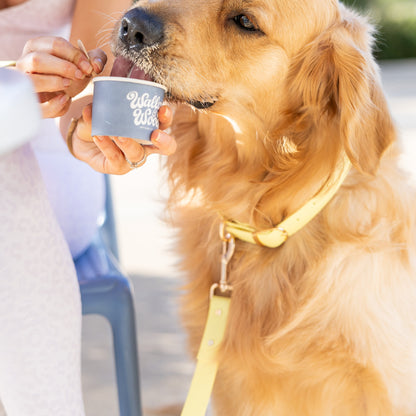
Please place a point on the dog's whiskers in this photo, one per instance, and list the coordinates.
(102, 43)
(113, 17)
(105, 30)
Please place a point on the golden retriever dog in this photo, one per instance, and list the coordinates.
(272, 94)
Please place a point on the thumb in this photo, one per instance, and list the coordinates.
(84, 124)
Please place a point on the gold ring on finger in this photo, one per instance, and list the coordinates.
(141, 162)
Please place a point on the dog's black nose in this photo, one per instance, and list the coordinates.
(140, 28)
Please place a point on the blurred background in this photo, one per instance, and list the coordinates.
(395, 21)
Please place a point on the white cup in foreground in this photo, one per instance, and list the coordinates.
(126, 107)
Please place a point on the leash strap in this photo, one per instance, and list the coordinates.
(207, 361)
(274, 237)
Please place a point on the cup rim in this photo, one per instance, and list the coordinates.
(131, 80)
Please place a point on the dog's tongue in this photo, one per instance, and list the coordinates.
(122, 67)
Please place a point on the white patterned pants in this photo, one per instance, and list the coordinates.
(40, 308)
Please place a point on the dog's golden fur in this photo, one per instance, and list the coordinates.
(325, 325)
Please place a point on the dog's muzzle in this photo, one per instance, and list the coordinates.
(140, 33)
(140, 29)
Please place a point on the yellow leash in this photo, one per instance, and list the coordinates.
(207, 364)
(207, 360)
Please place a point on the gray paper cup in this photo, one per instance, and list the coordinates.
(126, 107)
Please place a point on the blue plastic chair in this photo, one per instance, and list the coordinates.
(106, 291)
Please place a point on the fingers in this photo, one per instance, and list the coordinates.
(55, 107)
(59, 48)
(131, 149)
(84, 124)
(165, 116)
(43, 63)
(114, 160)
(163, 143)
(101, 153)
(50, 83)
(55, 65)
(108, 154)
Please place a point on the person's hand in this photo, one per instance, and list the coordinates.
(118, 155)
(59, 71)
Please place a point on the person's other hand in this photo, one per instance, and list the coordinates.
(59, 71)
(112, 154)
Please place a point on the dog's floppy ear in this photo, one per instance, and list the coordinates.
(334, 80)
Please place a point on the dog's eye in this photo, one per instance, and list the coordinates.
(245, 23)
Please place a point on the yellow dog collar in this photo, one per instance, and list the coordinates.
(276, 236)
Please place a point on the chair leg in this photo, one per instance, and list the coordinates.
(115, 302)
(126, 359)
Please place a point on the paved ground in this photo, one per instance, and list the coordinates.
(165, 368)
(145, 253)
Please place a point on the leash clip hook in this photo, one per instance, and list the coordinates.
(228, 247)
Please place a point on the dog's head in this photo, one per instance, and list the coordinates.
(287, 66)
